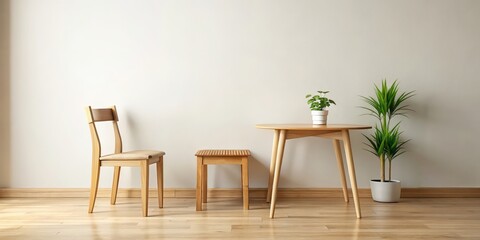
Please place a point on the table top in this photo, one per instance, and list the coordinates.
(312, 127)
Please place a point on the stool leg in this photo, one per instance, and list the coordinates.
(241, 178)
(245, 183)
(199, 183)
(204, 182)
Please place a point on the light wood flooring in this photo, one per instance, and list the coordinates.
(224, 218)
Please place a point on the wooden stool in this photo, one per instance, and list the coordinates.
(205, 157)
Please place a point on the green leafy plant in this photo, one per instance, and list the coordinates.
(319, 101)
(386, 142)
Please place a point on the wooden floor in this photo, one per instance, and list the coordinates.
(308, 218)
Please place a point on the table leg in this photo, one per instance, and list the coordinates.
(351, 170)
(272, 164)
(338, 154)
(278, 166)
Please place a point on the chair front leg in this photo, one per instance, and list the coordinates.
(144, 166)
(116, 177)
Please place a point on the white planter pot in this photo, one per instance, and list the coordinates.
(385, 191)
(319, 117)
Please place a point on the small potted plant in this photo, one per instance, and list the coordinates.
(317, 104)
(385, 142)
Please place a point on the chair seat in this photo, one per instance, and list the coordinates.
(133, 155)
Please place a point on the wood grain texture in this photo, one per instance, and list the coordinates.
(296, 218)
(225, 192)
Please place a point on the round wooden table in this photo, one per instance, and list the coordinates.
(336, 132)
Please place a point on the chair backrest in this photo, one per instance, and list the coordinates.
(101, 115)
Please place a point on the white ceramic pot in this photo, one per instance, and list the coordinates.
(388, 191)
(320, 117)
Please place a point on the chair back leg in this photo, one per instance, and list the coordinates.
(160, 182)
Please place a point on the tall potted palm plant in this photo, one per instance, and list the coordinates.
(386, 142)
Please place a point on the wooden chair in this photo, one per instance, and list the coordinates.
(138, 158)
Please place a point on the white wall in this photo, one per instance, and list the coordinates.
(187, 75)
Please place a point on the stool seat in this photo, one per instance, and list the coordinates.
(220, 156)
(222, 153)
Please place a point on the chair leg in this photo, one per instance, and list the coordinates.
(245, 183)
(199, 184)
(160, 182)
(116, 177)
(94, 186)
(144, 166)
